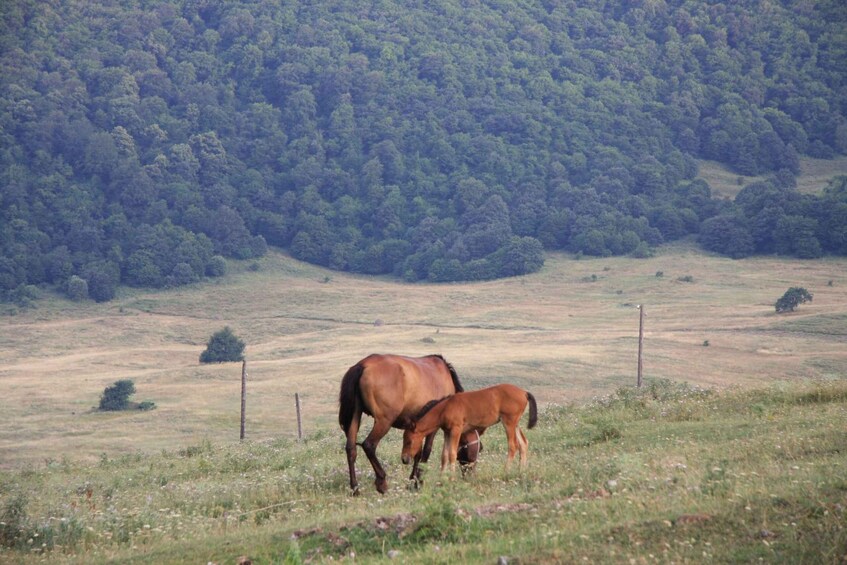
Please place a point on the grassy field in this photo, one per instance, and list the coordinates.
(175, 485)
(673, 474)
(566, 333)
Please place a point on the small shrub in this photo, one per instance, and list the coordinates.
(642, 250)
(223, 346)
(660, 274)
(216, 267)
(77, 288)
(13, 522)
(147, 405)
(116, 397)
(706, 343)
(686, 278)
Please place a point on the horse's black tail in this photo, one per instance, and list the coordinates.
(348, 398)
(456, 384)
(533, 411)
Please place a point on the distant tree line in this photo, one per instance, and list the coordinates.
(143, 142)
(771, 217)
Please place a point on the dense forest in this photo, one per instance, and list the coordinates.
(142, 141)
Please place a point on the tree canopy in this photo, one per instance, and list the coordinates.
(793, 297)
(223, 346)
(143, 141)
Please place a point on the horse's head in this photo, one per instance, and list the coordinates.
(412, 443)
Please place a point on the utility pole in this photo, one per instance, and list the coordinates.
(640, 341)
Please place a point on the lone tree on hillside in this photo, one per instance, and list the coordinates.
(116, 397)
(223, 346)
(793, 297)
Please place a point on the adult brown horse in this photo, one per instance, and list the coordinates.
(472, 412)
(393, 389)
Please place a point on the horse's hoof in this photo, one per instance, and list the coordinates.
(354, 491)
(382, 486)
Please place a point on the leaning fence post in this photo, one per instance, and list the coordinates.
(243, 394)
(299, 424)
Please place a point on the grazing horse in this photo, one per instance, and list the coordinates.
(472, 412)
(392, 389)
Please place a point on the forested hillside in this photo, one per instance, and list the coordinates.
(143, 140)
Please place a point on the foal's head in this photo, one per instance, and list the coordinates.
(414, 435)
(412, 444)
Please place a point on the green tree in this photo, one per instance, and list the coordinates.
(792, 298)
(116, 397)
(223, 346)
(727, 235)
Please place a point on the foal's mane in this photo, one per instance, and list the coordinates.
(427, 407)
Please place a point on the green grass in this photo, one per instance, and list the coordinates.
(668, 473)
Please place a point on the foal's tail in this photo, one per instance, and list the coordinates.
(533, 410)
(349, 398)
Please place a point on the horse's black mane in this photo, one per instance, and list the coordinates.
(427, 407)
(456, 384)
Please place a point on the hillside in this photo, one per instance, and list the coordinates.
(143, 140)
(676, 474)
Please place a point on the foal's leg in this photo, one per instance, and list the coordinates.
(511, 436)
(451, 448)
(445, 451)
(523, 445)
(379, 430)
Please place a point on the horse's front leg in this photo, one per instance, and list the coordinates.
(427, 448)
(415, 477)
(423, 456)
(379, 430)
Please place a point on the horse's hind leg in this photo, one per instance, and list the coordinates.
(379, 430)
(351, 450)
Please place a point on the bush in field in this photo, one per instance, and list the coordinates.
(223, 346)
(116, 397)
(793, 297)
(77, 288)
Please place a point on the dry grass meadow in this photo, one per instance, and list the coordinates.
(567, 333)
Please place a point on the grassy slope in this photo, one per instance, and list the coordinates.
(814, 175)
(674, 474)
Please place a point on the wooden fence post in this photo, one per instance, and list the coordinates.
(299, 424)
(640, 341)
(243, 395)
